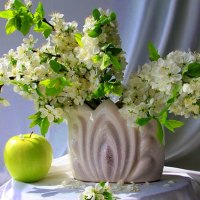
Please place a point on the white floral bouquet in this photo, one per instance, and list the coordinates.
(101, 191)
(162, 86)
(74, 68)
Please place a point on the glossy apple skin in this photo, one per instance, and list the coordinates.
(28, 159)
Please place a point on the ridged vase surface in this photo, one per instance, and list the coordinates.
(103, 148)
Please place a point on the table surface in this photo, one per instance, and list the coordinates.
(60, 185)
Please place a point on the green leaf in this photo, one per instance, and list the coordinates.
(110, 48)
(65, 82)
(107, 77)
(104, 20)
(163, 117)
(172, 124)
(58, 121)
(115, 88)
(153, 52)
(47, 32)
(18, 4)
(13, 61)
(99, 93)
(108, 196)
(39, 92)
(96, 58)
(39, 15)
(96, 14)
(172, 99)
(115, 51)
(174, 95)
(113, 16)
(107, 88)
(143, 121)
(159, 132)
(10, 26)
(115, 62)
(35, 116)
(40, 11)
(46, 82)
(193, 70)
(95, 32)
(43, 28)
(102, 184)
(53, 91)
(35, 122)
(26, 88)
(18, 22)
(44, 126)
(55, 86)
(7, 14)
(57, 67)
(26, 23)
(44, 58)
(106, 61)
(78, 37)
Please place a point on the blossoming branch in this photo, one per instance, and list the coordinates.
(71, 69)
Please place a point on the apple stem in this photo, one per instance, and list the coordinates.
(31, 134)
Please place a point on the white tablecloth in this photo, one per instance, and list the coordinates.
(176, 184)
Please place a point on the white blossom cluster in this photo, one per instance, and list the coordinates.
(98, 192)
(188, 103)
(149, 89)
(92, 46)
(27, 66)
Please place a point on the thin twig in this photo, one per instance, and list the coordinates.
(45, 21)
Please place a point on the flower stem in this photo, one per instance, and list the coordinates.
(46, 53)
(45, 21)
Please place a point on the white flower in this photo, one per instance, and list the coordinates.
(181, 57)
(187, 88)
(89, 24)
(29, 42)
(89, 193)
(96, 192)
(50, 112)
(4, 102)
(57, 21)
(56, 17)
(8, 4)
(28, 3)
(88, 51)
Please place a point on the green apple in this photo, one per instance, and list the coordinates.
(28, 157)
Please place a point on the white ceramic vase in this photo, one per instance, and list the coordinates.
(103, 148)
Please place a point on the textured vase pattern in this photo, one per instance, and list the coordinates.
(103, 148)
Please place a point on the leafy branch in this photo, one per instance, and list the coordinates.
(162, 117)
(43, 123)
(100, 21)
(19, 17)
(153, 52)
